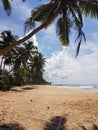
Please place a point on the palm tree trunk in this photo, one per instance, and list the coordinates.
(9, 67)
(4, 66)
(1, 64)
(7, 49)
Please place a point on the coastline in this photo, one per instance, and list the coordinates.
(34, 106)
(92, 87)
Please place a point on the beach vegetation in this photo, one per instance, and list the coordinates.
(22, 65)
(5, 80)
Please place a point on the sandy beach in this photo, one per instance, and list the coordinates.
(43, 107)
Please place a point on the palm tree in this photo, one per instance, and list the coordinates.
(30, 50)
(25, 53)
(36, 68)
(68, 15)
(22, 58)
(7, 38)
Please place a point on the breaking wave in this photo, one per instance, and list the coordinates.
(89, 87)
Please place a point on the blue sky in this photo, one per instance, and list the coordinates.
(61, 65)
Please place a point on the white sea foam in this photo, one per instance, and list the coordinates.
(88, 87)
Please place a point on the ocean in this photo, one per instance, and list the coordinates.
(82, 86)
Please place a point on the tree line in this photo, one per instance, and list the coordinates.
(22, 65)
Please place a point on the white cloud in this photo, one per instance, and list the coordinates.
(34, 39)
(20, 9)
(48, 41)
(62, 68)
(49, 33)
(15, 22)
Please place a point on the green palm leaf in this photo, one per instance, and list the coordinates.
(63, 30)
(89, 8)
(44, 14)
(7, 6)
(29, 24)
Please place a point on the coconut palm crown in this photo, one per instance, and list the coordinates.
(68, 15)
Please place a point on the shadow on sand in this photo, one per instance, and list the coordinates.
(30, 88)
(11, 126)
(16, 90)
(56, 123)
(23, 89)
(59, 123)
(95, 127)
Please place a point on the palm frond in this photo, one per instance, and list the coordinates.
(89, 8)
(78, 24)
(76, 17)
(29, 24)
(42, 13)
(7, 6)
(79, 38)
(63, 30)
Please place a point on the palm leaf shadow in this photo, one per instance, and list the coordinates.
(95, 127)
(83, 128)
(11, 126)
(56, 123)
(30, 88)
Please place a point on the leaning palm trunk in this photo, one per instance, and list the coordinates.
(1, 62)
(69, 16)
(4, 67)
(42, 26)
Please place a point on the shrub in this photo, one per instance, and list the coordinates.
(5, 80)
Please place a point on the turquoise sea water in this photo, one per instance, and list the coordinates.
(82, 86)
